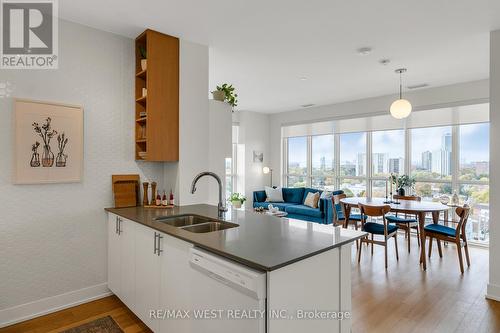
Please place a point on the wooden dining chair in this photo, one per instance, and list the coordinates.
(451, 235)
(386, 230)
(339, 213)
(408, 221)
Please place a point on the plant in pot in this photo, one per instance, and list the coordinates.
(225, 93)
(237, 200)
(403, 183)
(143, 53)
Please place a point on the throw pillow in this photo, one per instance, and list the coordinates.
(274, 194)
(312, 200)
(326, 195)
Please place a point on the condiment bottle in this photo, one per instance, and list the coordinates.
(171, 201)
(164, 201)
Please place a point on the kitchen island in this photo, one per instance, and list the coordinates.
(299, 272)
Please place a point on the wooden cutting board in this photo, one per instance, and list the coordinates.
(126, 190)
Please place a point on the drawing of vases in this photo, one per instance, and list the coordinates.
(47, 157)
(35, 157)
(61, 160)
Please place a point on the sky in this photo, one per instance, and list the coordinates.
(474, 143)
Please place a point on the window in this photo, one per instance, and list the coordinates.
(297, 161)
(443, 159)
(473, 178)
(431, 156)
(353, 154)
(323, 167)
(231, 164)
(388, 153)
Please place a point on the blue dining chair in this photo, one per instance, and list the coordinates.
(406, 222)
(339, 213)
(384, 229)
(452, 235)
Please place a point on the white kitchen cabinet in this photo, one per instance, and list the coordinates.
(121, 261)
(175, 287)
(148, 250)
(127, 261)
(114, 259)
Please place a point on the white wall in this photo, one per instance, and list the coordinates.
(477, 91)
(254, 136)
(494, 280)
(193, 126)
(53, 237)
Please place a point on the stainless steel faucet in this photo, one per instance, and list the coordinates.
(221, 207)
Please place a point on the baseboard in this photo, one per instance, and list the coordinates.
(48, 305)
(493, 292)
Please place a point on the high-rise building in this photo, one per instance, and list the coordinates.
(322, 166)
(396, 165)
(379, 163)
(427, 160)
(360, 164)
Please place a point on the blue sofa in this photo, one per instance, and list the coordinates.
(294, 204)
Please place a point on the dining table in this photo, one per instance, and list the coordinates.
(417, 208)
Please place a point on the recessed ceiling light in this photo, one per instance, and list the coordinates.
(364, 51)
(417, 86)
(384, 62)
(302, 78)
(307, 105)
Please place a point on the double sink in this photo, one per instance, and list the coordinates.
(196, 223)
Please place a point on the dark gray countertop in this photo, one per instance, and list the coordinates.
(261, 241)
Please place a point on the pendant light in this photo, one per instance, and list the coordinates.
(400, 108)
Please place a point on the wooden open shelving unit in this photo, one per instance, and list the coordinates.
(157, 131)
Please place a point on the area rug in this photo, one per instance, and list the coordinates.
(101, 325)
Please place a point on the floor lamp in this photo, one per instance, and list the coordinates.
(267, 170)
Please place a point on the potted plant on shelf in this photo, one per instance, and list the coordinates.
(226, 93)
(403, 183)
(237, 200)
(143, 54)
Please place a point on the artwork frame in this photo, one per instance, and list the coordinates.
(258, 156)
(54, 131)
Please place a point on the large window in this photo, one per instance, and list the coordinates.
(297, 161)
(431, 156)
(388, 153)
(473, 177)
(444, 160)
(322, 166)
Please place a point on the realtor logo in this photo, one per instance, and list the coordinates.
(29, 34)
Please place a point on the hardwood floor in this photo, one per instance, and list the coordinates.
(78, 315)
(406, 299)
(401, 299)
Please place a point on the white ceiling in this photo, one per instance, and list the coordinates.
(264, 47)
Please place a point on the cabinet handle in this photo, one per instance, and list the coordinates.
(159, 251)
(119, 226)
(155, 243)
(116, 225)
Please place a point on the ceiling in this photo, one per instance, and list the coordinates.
(264, 48)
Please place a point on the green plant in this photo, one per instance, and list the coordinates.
(237, 197)
(403, 181)
(229, 94)
(143, 52)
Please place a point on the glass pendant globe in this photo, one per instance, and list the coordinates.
(400, 109)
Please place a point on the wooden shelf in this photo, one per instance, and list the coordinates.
(142, 100)
(160, 126)
(142, 74)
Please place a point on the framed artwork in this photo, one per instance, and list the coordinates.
(48, 142)
(258, 156)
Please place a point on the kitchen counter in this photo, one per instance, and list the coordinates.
(261, 241)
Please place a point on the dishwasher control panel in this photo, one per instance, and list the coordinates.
(229, 272)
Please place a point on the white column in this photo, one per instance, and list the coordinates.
(494, 282)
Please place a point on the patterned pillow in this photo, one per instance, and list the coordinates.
(312, 200)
